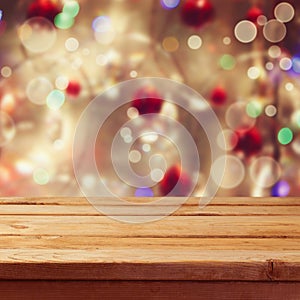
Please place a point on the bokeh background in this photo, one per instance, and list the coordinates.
(242, 56)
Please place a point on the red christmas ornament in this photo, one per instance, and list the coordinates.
(73, 89)
(147, 100)
(175, 182)
(253, 13)
(218, 95)
(44, 8)
(196, 13)
(249, 142)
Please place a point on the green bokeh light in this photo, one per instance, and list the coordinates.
(71, 8)
(55, 99)
(254, 109)
(41, 176)
(227, 62)
(285, 136)
(63, 21)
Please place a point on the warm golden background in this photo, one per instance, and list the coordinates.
(241, 56)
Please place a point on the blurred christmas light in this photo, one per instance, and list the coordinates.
(261, 20)
(38, 89)
(101, 60)
(37, 34)
(270, 110)
(230, 137)
(285, 64)
(24, 167)
(71, 8)
(296, 118)
(41, 176)
(274, 31)
(284, 12)
(254, 109)
(7, 128)
(144, 192)
(280, 189)
(289, 86)
(226, 40)
(237, 118)
(245, 31)
(125, 131)
(170, 44)
(71, 44)
(134, 156)
(157, 175)
(227, 62)
(253, 73)
(194, 42)
(265, 171)
(296, 64)
(8, 103)
(55, 99)
(133, 74)
(269, 66)
(61, 82)
(146, 148)
(285, 136)
(64, 20)
(274, 51)
(234, 171)
(169, 4)
(101, 24)
(6, 71)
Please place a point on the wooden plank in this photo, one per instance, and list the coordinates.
(241, 201)
(176, 244)
(172, 226)
(145, 264)
(185, 210)
(95, 290)
(239, 239)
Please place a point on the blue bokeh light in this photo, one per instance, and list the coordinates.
(296, 64)
(169, 4)
(143, 192)
(101, 24)
(280, 189)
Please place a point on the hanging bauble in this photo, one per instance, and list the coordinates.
(147, 100)
(253, 13)
(73, 88)
(44, 8)
(175, 182)
(196, 13)
(249, 142)
(218, 95)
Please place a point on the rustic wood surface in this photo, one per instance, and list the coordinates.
(251, 242)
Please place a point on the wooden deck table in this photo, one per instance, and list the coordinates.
(234, 248)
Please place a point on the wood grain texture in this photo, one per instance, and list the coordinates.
(162, 290)
(231, 239)
(240, 201)
(172, 226)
